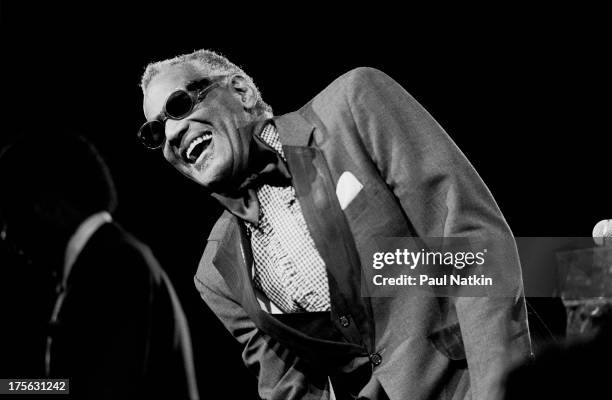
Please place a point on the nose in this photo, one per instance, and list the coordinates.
(175, 130)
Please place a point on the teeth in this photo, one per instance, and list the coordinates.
(196, 141)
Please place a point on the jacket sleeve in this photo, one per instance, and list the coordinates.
(280, 374)
(443, 196)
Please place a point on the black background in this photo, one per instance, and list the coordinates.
(524, 93)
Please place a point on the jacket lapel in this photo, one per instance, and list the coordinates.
(233, 259)
(328, 227)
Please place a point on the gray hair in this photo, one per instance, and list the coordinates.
(210, 63)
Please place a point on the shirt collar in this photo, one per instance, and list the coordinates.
(272, 170)
(80, 237)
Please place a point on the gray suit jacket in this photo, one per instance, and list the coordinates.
(416, 182)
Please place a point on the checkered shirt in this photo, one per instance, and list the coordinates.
(288, 267)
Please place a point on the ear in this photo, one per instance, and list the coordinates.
(243, 90)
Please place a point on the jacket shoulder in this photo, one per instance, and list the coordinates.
(362, 75)
(331, 103)
(338, 94)
(349, 81)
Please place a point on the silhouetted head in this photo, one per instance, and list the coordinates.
(50, 185)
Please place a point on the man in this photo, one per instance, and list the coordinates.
(117, 329)
(305, 195)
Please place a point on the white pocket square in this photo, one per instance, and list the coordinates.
(347, 189)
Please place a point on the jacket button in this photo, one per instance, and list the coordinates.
(344, 321)
(375, 359)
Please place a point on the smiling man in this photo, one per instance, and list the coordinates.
(305, 195)
(212, 146)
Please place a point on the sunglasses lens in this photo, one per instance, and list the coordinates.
(152, 134)
(179, 104)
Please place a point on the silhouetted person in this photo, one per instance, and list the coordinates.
(117, 329)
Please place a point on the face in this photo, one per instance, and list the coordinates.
(210, 145)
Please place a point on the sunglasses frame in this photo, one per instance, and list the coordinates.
(196, 96)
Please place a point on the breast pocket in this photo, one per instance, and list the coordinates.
(357, 206)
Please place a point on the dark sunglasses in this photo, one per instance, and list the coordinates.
(178, 105)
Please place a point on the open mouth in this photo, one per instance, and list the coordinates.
(197, 146)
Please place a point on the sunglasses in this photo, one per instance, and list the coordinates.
(179, 104)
